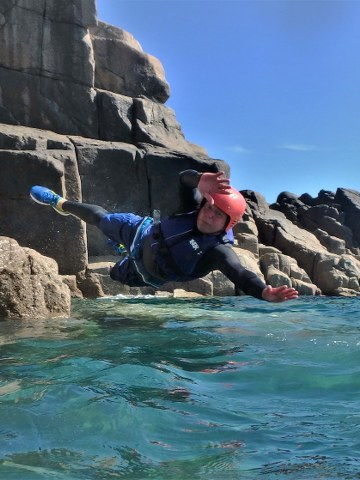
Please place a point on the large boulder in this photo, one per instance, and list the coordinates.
(29, 284)
(256, 202)
(47, 65)
(334, 272)
(333, 244)
(77, 12)
(325, 196)
(280, 269)
(350, 203)
(248, 242)
(247, 224)
(249, 261)
(35, 157)
(290, 205)
(222, 285)
(163, 167)
(141, 121)
(307, 199)
(113, 175)
(276, 230)
(48, 38)
(47, 103)
(246, 233)
(328, 219)
(327, 271)
(116, 114)
(156, 124)
(122, 66)
(322, 213)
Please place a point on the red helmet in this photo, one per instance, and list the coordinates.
(232, 203)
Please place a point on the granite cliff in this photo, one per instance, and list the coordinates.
(82, 111)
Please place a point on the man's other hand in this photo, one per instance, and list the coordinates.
(279, 294)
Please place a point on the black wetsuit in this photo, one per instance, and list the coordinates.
(222, 257)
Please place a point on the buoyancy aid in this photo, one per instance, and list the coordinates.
(178, 245)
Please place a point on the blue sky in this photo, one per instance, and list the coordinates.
(272, 87)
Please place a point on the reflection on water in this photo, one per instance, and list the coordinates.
(215, 388)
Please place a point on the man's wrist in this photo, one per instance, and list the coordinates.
(263, 293)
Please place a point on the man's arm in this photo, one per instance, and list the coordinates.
(197, 185)
(224, 258)
(190, 178)
(190, 195)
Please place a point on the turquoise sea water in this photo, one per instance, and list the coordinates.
(218, 388)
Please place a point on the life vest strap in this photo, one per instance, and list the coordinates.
(164, 250)
(136, 254)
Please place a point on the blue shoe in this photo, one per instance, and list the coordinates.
(45, 196)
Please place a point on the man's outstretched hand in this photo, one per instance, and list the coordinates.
(279, 294)
(211, 183)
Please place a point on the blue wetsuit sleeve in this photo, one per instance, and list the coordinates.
(224, 258)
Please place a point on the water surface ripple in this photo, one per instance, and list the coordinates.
(211, 388)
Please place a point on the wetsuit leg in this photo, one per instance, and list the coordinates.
(120, 228)
(91, 214)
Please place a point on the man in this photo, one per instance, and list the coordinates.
(181, 247)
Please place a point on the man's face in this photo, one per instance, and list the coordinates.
(211, 219)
